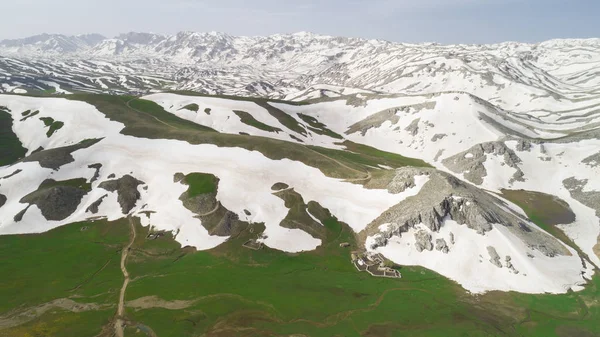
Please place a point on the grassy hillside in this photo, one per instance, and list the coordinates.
(11, 148)
(147, 119)
(234, 291)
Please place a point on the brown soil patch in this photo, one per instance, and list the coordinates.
(21, 316)
(149, 302)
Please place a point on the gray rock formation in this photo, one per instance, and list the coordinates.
(593, 160)
(93, 207)
(12, 174)
(509, 265)
(279, 186)
(56, 203)
(440, 245)
(374, 121)
(413, 127)
(523, 145)
(447, 197)
(470, 162)
(423, 241)
(126, 188)
(96, 167)
(2, 200)
(178, 177)
(19, 216)
(55, 158)
(438, 136)
(451, 238)
(494, 257)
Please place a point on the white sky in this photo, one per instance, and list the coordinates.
(445, 21)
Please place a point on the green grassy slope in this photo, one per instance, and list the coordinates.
(11, 148)
(147, 119)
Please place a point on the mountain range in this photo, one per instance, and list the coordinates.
(476, 162)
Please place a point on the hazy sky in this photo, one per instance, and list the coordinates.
(444, 21)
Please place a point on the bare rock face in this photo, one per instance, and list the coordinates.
(470, 162)
(57, 157)
(440, 245)
(523, 145)
(2, 200)
(451, 238)
(413, 128)
(447, 197)
(423, 241)
(438, 136)
(126, 187)
(56, 203)
(593, 160)
(494, 257)
(93, 208)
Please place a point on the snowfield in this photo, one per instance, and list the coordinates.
(503, 116)
(121, 155)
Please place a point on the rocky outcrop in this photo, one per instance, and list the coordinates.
(440, 245)
(126, 188)
(57, 202)
(93, 208)
(438, 136)
(423, 241)
(447, 197)
(523, 145)
(494, 257)
(413, 127)
(451, 235)
(593, 160)
(96, 167)
(2, 200)
(55, 158)
(471, 162)
(279, 186)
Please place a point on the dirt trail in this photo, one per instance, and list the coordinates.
(212, 211)
(121, 307)
(147, 114)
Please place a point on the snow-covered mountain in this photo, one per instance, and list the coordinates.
(491, 120)
(281, 65)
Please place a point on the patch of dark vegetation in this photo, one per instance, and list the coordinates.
(12, 174)
(93, 207)
(200, 197)
(19, 216)
(154, 110)
(55, 158)
(96, 167)
(138, 124)
(126, 188)
(207, 111)
(283, 118)
(111, 176)
(11, 149)
(298, 216)
(200, 183)
(28, 114)
(296, 139)
(52, 125)
(546, 208)
(57, 200)
(318, 127)
(2, 200)
(279, 186)
(192, 107)
(244, 133)
(248, 119)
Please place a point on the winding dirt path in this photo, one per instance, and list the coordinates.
(121, 307)
(212, 211)
(147, 114)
